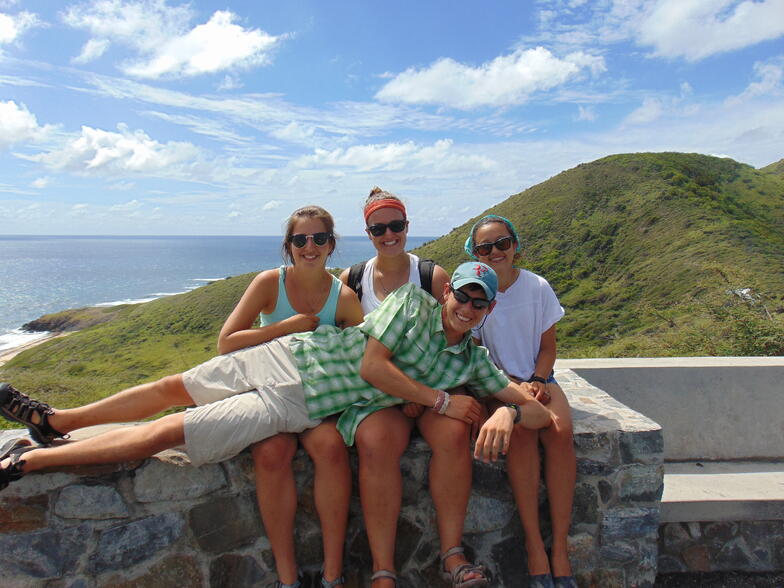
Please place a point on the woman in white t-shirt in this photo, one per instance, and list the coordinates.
(520, 336)
(383, 436)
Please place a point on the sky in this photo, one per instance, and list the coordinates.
(157, 117)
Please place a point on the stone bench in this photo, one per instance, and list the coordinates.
(161, 522)
(723, 502)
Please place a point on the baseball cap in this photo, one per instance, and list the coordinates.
(476, 272)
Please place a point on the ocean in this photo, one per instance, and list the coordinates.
(45, 274)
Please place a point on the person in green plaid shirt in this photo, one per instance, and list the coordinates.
(409, 349)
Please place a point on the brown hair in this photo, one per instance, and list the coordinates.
(378, 194)
(311, 211)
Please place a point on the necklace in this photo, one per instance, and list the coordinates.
(381, 283)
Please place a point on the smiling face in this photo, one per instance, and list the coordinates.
(310, 254)
(459, 318)
(500, 261)
(389, 244)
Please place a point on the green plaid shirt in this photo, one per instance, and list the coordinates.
(408, 323)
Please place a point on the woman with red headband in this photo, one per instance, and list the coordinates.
(383, 436)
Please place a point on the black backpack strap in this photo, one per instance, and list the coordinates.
(426, 267)
(355, 277)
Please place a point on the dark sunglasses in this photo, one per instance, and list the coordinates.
(300, 239)
(501, 244)
(396, 226)
(477, 303)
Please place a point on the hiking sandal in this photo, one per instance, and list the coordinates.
(13, 471)
(458, 574)
(20, 408)
(381, 574)
(331, 584)
(297, 583)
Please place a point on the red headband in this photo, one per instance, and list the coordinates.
(385, 203)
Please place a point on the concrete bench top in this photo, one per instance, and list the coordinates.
(722, 491)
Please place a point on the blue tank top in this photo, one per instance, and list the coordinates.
(284, 310)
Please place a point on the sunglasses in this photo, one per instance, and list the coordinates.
(396, 226)
(300, 239)
(501, 244)
(462, 298)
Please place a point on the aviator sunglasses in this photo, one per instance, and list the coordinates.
(396, 226)
(462, 298)
(502, 244)
(300, 239)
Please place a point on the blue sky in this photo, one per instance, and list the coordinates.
(207, 118)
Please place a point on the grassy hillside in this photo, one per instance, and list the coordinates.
(776, 168)
(643, 250)
(651, 255)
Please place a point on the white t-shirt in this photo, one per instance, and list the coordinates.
(513, 331)
(369, 300)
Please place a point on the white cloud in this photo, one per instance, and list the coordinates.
(769, 74)
(13, 26)
(130, 207)
(17, 124)
(96, 151)
(40, 183)
(688, 29)
(92, 50)
(295, 132)
(439, 157)
(215, 46)
(586, 113)
(651, 109)
(166, 45)
(506, 80)
(695, 29)
(230, 82)
(143, 25)
(272, 205)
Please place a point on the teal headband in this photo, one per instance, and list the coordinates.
(469, 244)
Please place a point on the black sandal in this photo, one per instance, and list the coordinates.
(13, 471)
(20, 408)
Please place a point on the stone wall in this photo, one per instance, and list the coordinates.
(751, 546)
(161, 522)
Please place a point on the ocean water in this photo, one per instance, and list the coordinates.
(44, 274)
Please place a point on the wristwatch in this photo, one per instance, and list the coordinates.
(516, 408)
(536, 378)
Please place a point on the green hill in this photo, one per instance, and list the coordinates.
(652, 254)
(776, 168)
(645, 249)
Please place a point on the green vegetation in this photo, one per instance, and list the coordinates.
(653, 254)
(626, 236)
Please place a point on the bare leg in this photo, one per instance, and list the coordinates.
(450, 478)
(332, 489)
(276, 494)
(522, 465)
(560, 476)
(132, 404)
(127, 444)
(381, 440)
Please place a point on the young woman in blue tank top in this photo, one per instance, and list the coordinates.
(293, 299)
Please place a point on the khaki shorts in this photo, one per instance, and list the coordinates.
(243, 397)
